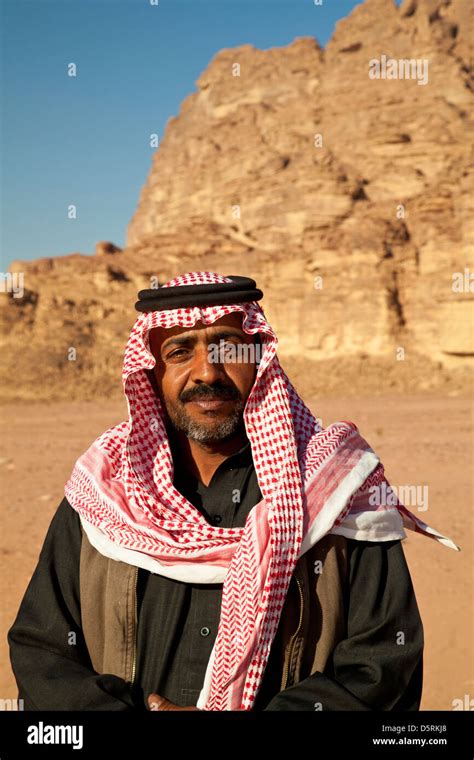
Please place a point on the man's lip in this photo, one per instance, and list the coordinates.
(209, 403)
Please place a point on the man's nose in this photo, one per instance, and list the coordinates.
(204, 369)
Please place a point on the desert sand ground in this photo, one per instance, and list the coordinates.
(423, 440)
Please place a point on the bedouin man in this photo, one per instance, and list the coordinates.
(220, 549)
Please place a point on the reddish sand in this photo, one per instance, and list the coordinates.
(421, 440)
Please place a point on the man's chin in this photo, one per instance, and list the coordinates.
(214, 429)
(210, 439)
(210, 428)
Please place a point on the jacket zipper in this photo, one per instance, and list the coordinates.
(293, 638)
(134, 660)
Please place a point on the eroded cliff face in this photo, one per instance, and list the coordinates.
(341, 180)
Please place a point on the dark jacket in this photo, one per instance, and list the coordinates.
(350, 637)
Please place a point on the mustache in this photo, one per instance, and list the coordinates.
(217, 391)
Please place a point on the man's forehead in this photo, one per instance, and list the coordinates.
(160, 334)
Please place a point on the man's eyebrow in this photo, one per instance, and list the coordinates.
(190, 338)
(229, 332)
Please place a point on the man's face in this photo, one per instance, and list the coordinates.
(203, 394)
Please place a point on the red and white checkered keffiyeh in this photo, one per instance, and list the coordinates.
(313, 481)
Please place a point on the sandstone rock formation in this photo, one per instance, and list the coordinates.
(348, 198)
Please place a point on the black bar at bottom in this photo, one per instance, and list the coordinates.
(430, 734)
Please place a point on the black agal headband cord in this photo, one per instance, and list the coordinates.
(212, 294)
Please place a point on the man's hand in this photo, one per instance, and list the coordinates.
(155, 702)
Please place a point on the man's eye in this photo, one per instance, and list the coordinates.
(176, 353)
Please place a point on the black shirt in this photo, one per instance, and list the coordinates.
(178, 621)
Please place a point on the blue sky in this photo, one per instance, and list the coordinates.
(84, 140)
